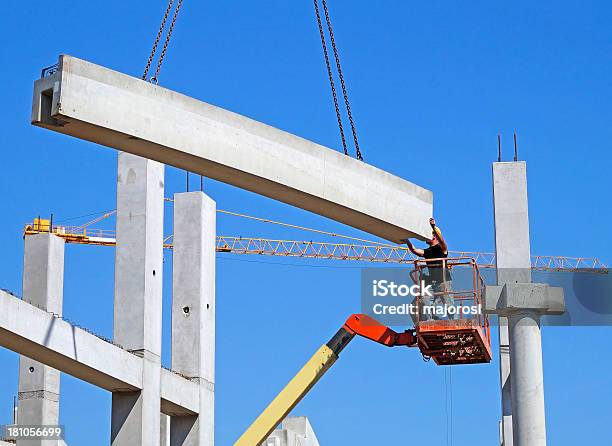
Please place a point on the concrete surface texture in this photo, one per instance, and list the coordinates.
(143, 393)
(511, 212)
(193, 311)
(294, 431)
(43, 282)
(39, 335)
(135, 417)
(513, 257)
(113, 109)
(520, 304)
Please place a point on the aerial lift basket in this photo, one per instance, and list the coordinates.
(460, 338)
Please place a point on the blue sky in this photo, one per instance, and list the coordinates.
(431, 87)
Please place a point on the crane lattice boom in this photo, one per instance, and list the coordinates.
(315, 250)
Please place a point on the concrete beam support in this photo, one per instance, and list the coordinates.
(164, 430)
(513, 262)
(505, 382)
(520, 305)
(135, 416)
(39, 335)
(529, 420)
(43, 283)
(110, 108)
(193, 312)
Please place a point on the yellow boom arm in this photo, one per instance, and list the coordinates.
(287, 399)
(315, 368)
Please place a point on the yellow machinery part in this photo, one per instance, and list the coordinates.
(288, 398)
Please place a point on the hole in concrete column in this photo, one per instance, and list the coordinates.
(207, 306)
(31, 369)
(153, 272)
(186, 311)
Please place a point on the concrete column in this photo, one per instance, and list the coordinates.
(506, 383)
(164, 430)
(135, 419)
(522, 329)
(43, 284)
(529, 422)
(193, 311)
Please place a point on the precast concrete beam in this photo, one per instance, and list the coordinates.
(49, 340)
(97, 104)
(179, 395)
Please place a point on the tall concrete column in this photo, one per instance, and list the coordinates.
(521, 375)
(43, 285)
(193, 311)
(164, 430)
(529, 421)
(135, 419)
(505, 382)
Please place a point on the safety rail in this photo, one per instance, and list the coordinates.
(451, 325)
(445, 287)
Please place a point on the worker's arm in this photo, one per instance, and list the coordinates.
(415, 251)
(439, 236)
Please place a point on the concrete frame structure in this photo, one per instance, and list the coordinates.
(48, 339)
(519, 305)
(116, 110)
(143, 393)
(150, 405)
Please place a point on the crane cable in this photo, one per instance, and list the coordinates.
(340, 76)
(160, 61)
(331, 76)
(448, 408)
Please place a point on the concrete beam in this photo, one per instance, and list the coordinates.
(39, 335)
(116, 110)
(179, 395)
(33, 332)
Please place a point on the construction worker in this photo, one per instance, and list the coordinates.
(439, 276)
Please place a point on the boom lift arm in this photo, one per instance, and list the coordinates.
(315, 368)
